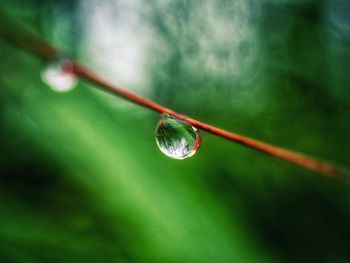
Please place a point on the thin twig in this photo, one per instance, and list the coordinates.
(37, 46)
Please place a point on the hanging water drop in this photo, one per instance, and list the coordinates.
(59, 75)
(177, 138)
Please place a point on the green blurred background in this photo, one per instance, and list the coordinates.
(82, 180)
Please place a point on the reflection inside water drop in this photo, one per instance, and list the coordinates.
(177, 138)
(59, 75)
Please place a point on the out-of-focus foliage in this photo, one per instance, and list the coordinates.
(81, 178)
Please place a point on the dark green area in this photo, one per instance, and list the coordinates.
(82, 180)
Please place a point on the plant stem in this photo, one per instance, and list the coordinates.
(37, 46)
(284, 154)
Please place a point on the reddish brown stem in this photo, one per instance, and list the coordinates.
(287, 155)
(46, 51)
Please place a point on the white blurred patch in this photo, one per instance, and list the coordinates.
(115, 41)
(126, 44)
(212, 38)
(226, 43)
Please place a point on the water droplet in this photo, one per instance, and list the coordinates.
(59, 75)
(177, 138)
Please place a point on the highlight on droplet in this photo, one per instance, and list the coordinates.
(59, 75)
(177, 138)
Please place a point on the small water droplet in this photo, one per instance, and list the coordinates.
(59, 75)
(177, 138)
